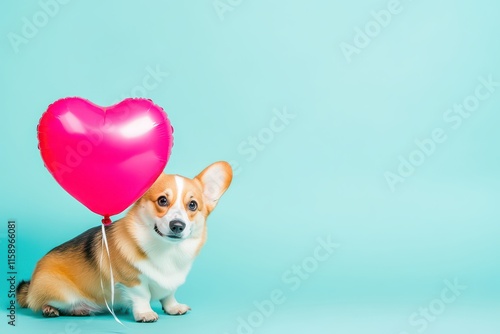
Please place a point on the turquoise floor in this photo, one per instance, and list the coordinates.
(296, 318)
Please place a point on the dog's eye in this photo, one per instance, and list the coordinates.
(193, 206)
(162, 201)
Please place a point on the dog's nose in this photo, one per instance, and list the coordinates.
(177, 226)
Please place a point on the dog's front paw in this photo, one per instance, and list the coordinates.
(146, 317)
(177, 309)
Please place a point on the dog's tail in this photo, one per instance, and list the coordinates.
(22, 293)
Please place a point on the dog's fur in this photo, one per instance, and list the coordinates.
(151, 253)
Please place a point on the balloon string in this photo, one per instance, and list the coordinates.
(110, 309)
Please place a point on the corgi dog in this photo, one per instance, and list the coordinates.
(151, 251)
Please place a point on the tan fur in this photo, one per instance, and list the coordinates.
(59, 275)
(68, 274)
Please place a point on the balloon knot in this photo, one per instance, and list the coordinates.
(106, 221)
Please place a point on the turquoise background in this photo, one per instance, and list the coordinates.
(323, 174)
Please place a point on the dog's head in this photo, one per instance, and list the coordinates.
(176, 207)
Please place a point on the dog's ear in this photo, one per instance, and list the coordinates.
(215, 180)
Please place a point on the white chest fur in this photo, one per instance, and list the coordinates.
(167, 265)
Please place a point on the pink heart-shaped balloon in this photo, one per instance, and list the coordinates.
(105, 157)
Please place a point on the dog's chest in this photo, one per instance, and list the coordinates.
(164, 271)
